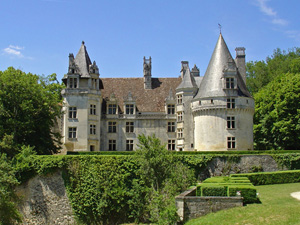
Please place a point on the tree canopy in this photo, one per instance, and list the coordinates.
(277, 113)
(29, 108)
(260, 73)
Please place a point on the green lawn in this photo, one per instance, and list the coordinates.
(277, 207)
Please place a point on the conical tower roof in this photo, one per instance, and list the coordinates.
(212, 83)
(83, 61)
(188, 80)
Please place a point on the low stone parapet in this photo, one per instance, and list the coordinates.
(190, 206)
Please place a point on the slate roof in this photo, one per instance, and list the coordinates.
(82, 60)
(188, 81)
(147, 100)
(212, 82)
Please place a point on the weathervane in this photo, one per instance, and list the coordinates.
(220, 27)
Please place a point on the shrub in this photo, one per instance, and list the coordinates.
(216, 190)
(278, 177)
(247, 192)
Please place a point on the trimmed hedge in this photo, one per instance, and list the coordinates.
(265, 178)
(228, 186)
(256, 152)
(247, 192)
(214, 190)
(227, 180)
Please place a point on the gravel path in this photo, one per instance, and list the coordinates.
(296, 195)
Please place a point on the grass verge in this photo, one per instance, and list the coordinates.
(277, 207)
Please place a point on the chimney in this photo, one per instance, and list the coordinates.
(184, 66)
(240, 61)
(147, 73)
(195, 71)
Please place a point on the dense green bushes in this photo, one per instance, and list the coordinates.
(112, 189)
(256, 152)
(278, 177)
(228, 186)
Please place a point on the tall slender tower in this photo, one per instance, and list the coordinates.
(82, 104)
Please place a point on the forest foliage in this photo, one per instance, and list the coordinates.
(29, 108)
(275, 85)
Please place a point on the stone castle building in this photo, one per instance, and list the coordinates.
(188, 113)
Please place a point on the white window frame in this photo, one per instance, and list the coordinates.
(72, 132)
(129, 127)
(112, 127)
(231, 123)
(172, 144)
(129, 145)
(72, 112)
(231, 143)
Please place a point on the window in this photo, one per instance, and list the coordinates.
(231, 142)
(171, 145)
(92, 109)
(171, 109)
(129, 145)
(129, 127)
(72, 132)
(171, 126)
(92, 129)
(179, 116)
(129, 109)
(230, 122)
(180, 133)
(92, 148)
(179, 99)
(112, 109)
(212, 101)
(112, 145)
(72, 112)
(73, 83)
(229, 83)
(112, 127)
(230, 103)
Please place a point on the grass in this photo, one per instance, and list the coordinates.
(277, 207)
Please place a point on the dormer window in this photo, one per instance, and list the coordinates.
(72, 82)
(179, 99)
(129, 109)
(112, 109)
(229, 83)
(171, 109)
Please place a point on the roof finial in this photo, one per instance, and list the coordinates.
(82, 42)
(220, 27)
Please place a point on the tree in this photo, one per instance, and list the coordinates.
(162, 178)
(260, 73)
(8, 208)
(29, 108)
(277, 113)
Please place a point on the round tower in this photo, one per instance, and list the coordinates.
(223, 107)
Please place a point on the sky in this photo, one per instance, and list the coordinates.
(38, 35)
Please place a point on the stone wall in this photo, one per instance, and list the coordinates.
(45, 201)
(190, 206)
(221, 166)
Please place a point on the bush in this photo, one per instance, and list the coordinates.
(216, 190)
(228, 186)
(278, 177)
(247, 192)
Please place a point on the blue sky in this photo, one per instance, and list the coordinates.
(38, 35)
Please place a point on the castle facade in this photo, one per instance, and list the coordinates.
(188, 113)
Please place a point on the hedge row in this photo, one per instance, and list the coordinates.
(265, 178)
(228, 186)
(252, 152)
